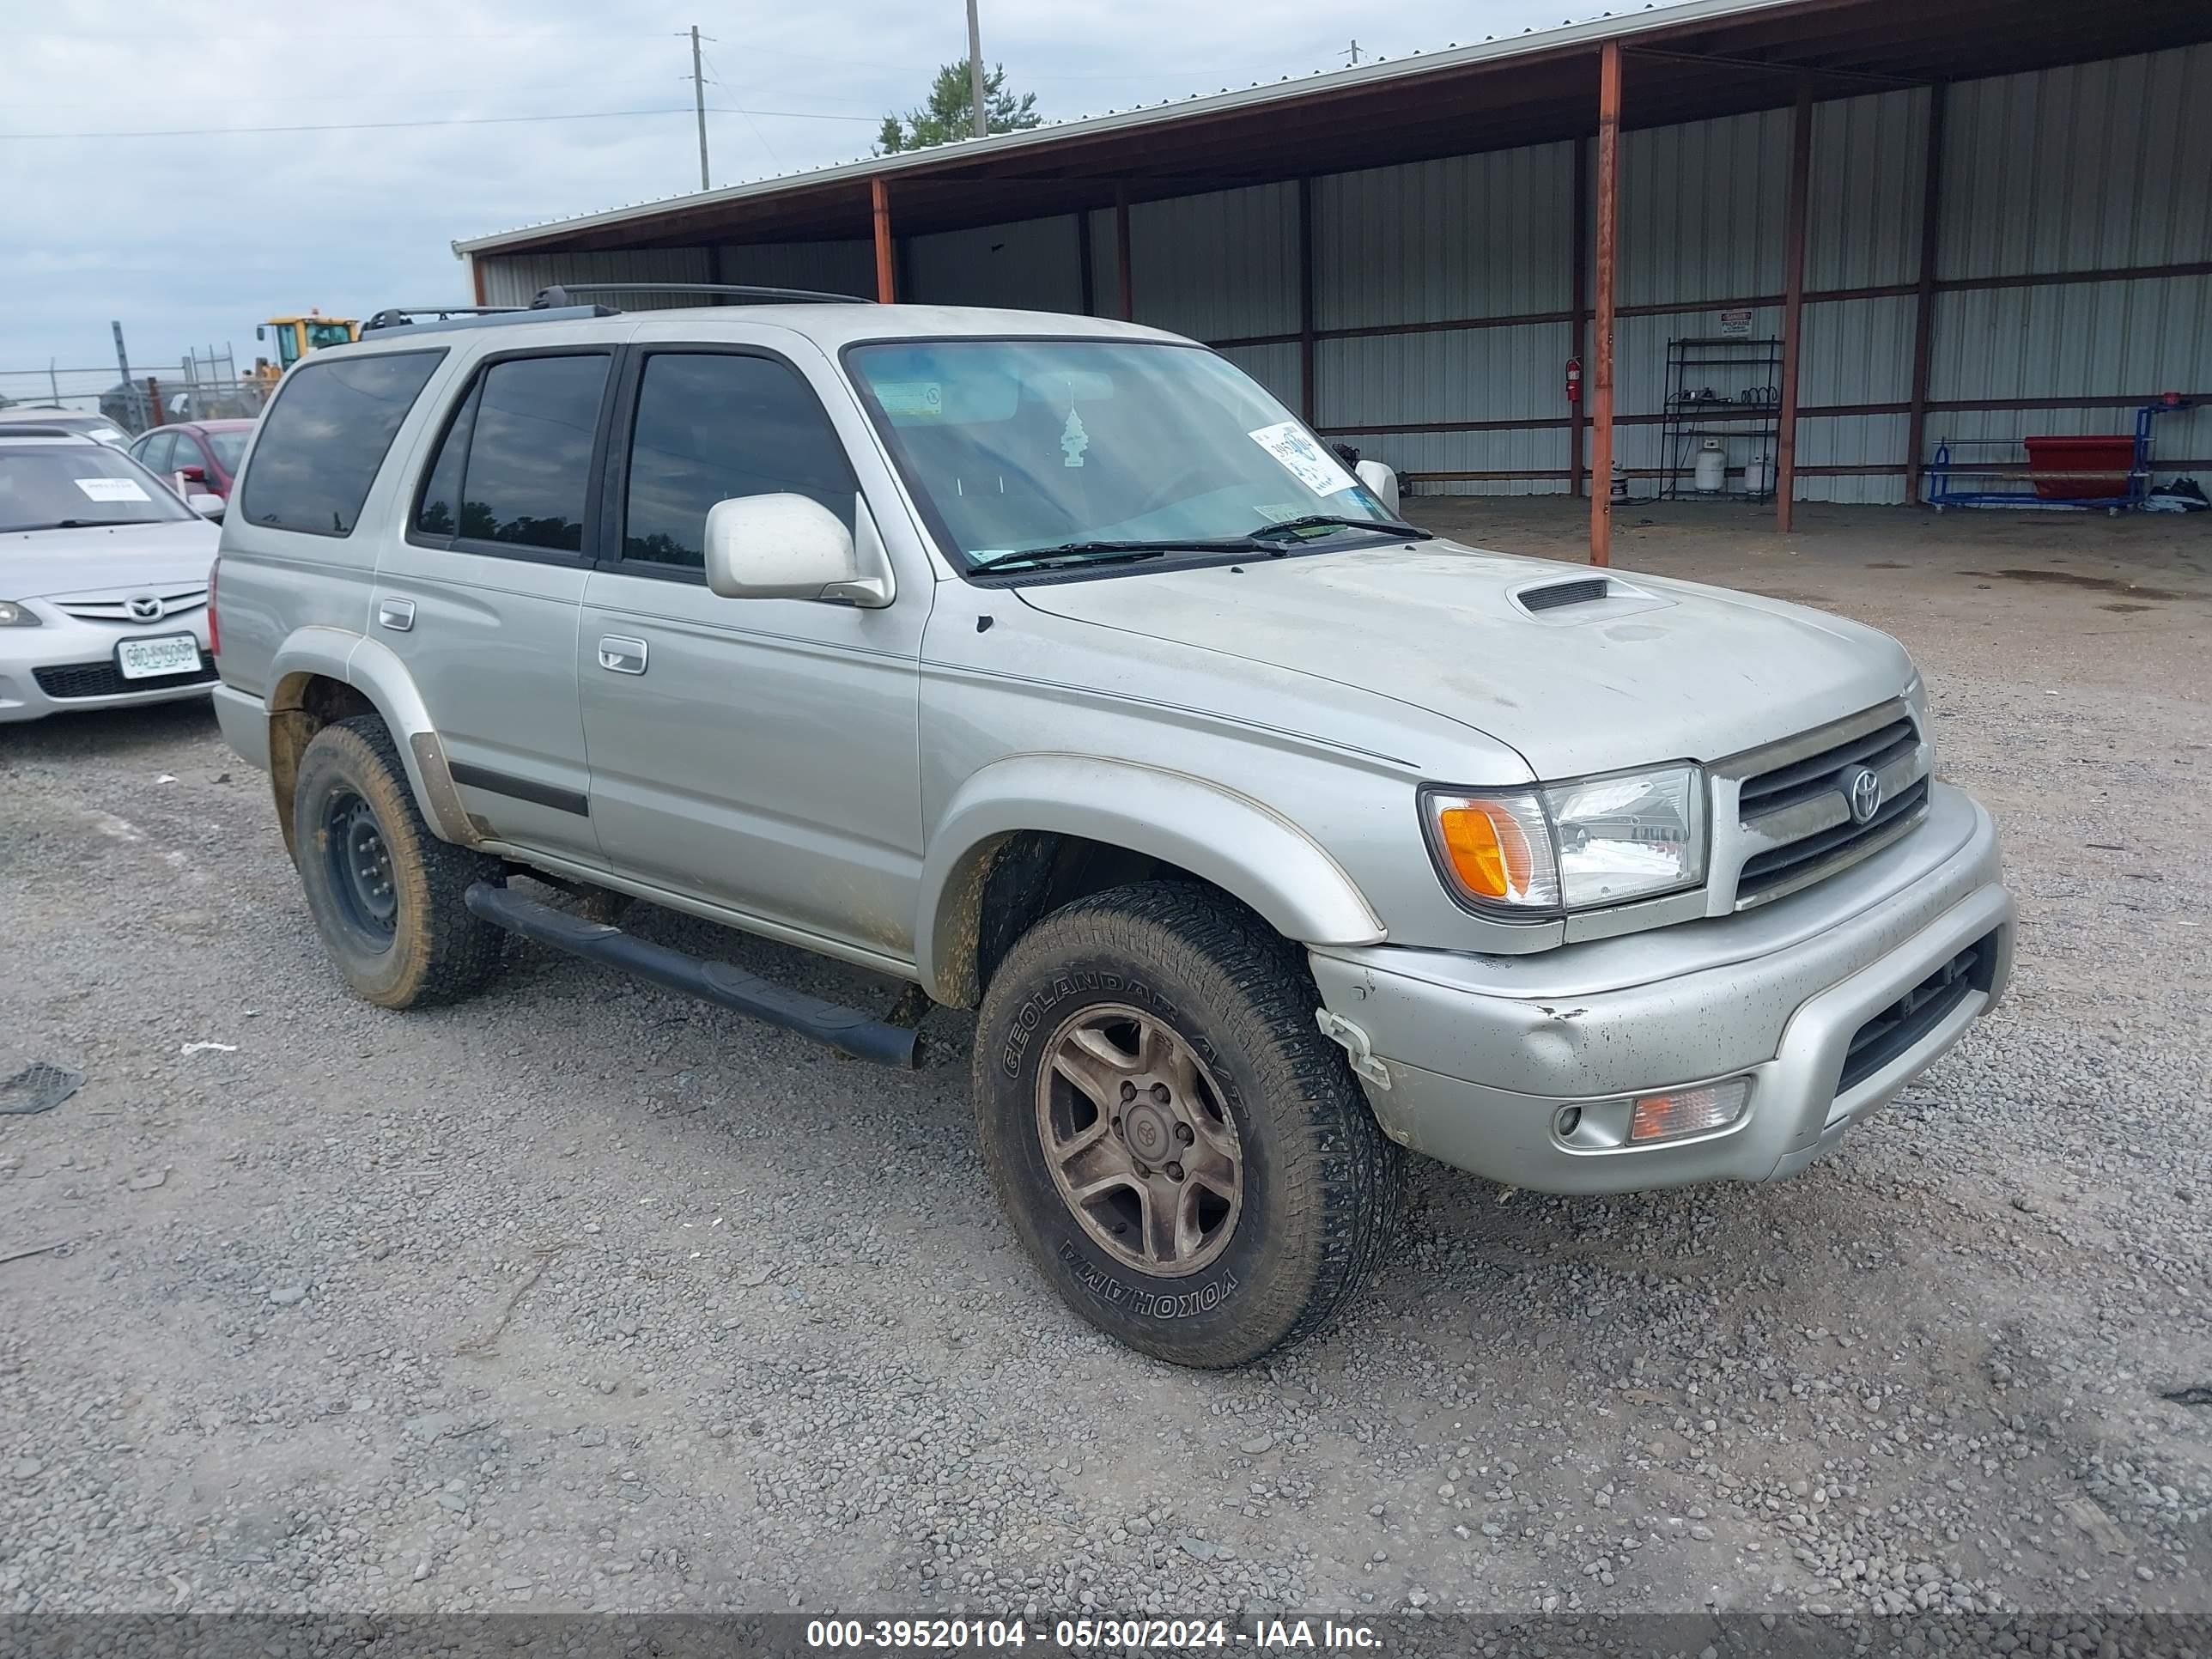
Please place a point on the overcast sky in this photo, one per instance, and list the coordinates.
(189, 240)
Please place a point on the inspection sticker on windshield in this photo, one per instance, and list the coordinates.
(112, 489)
(1306, 460)
(922, 397)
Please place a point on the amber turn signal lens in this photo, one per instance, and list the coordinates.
(1689, 1111)
(1488, 848)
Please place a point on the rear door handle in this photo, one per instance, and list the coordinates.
(619, 654)
(397, 615)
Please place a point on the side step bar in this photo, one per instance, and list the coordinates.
(845, 1029)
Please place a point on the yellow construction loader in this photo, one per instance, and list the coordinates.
(297, 335)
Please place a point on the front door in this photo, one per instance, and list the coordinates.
(759, 754)
(480, 598)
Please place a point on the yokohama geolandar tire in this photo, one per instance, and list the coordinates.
(386, 893)
(1187, 1158)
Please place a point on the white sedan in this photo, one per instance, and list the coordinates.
(103, 578)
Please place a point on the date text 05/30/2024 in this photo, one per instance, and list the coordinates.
(1082, 1635)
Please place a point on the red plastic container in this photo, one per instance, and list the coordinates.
(2115, 456)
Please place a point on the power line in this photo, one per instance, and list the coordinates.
(445, 121)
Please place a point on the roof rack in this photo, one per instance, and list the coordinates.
(423, 319)
(558, 293)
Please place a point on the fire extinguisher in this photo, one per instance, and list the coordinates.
(1574, 380)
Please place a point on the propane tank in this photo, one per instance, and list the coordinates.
(1620, 482)
(1712, 467)
(1758, 473)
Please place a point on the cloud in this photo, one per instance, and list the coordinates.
(189, 240)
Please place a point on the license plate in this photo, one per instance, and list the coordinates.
(156, 658)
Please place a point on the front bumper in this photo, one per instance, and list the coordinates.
(1481, 1053)
(66, 667)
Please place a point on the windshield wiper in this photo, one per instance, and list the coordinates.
(1391, 527)
(1125, 552)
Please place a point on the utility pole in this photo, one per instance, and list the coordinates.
(699, 104)
(1353, 54)
(981, 121)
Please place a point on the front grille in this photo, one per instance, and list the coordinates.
(116, 607)
(104, 679)
(1582, 592)
(1764, 871)
(1785, 786)
(1918, 1011)
(1796, 815)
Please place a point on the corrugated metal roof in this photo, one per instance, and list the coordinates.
(1724, 57)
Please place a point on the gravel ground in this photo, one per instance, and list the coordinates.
(583, 1296)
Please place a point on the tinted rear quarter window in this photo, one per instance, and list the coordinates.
(327, 435)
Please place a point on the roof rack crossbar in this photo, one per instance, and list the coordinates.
(399, 316)
(558, 293)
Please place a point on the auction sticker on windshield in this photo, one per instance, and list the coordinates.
(112, 489)
(150, 660)
(1306, 460)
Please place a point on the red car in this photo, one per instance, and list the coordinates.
(206, 452)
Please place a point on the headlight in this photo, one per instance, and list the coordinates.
(13, 615)
(1572, 845)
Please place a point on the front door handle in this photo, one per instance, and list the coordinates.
(619, 654)
(397, 615)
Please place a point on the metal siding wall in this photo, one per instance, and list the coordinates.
(1029, 265)
(2083, 168)
(1470, 236)
(514, 279)
(1275, 366)
(1863, 226)
(846, 267)
(1703, 207)
(1215, 266)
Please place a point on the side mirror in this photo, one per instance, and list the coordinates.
(1381, 483)
(207, 505)
(193, 474)
(792, 547)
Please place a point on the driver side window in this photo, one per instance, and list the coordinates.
(712, 426)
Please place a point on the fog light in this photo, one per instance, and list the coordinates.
(1688, 1111)
(1569, 1121)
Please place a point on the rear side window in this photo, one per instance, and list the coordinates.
(327, 435)
(713, 425)
(515, 463)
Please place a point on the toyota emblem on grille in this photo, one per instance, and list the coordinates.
(1863, 789)
(145, 607)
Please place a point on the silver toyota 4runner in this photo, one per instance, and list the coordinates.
(1048, 665)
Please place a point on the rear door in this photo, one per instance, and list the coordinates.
(760, 754)
(480, 596)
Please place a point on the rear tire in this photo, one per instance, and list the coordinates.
(386, 895)
(1217, 1184)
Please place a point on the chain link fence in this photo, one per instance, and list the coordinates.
(203, 387)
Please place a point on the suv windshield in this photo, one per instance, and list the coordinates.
(1091, 446)
(65, 486)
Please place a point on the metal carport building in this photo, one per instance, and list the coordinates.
(1957, 219)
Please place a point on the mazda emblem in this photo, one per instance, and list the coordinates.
(1863, 790)
(145, 607)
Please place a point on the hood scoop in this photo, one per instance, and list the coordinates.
(1553, 595)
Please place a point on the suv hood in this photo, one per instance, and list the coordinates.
(1657, 670)
(37, 564)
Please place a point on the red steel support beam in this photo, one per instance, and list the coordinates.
(1599, 376)
(1793, 308)
(1128, 298)
(1923, 316)
(1579, 292)
(1306, 401)
(886, 265)
(476, 278)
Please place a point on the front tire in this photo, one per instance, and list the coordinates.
(1185, 1157)
(386, 893)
